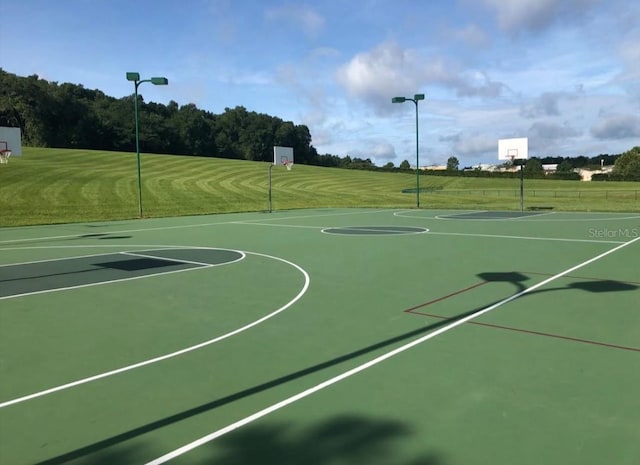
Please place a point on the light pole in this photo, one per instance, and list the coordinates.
(157, 81)
(416, 98)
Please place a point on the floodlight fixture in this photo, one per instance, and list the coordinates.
(416, 98)
(157, 81)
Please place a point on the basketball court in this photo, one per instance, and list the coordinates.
(378, 336)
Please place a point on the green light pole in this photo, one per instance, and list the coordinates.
(157, 81)
(416, 98)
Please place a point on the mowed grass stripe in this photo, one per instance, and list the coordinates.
(63, 185)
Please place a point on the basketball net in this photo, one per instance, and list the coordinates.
(288, 164)
(5, 154)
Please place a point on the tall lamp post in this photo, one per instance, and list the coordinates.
(416, 98)
(157, 81)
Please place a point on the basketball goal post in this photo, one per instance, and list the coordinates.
(281, 156)
(512, 150)
(10, 143)
(5, 152)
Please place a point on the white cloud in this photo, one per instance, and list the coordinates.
(474, 83)
(300, 16)
(629, 78)
(549, 131)
(472, 35)
(517, 15)
(389, 70)
(617, 127)
(472, 145)
(547, 104)
(381, 73)
(378, 150)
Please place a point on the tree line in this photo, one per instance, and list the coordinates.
(71, 116)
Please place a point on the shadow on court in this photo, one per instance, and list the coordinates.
(50, 275)
(342, 439)
(102, 236)
(583, 284)
(172, 419)
(517, 279)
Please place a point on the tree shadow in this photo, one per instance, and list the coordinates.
(515, 278)
(125, 455)
(344, 439)
(125, 436)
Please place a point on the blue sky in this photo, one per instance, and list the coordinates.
(564, 73)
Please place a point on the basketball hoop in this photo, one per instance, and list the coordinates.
(288, 164)
(5, 154)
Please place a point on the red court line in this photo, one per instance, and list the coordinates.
(538, 333)
(510, 328)
(444, 297)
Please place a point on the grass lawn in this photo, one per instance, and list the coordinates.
(62, 186)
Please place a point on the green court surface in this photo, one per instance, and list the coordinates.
(323, 337)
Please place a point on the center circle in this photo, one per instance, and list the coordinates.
(375, 230)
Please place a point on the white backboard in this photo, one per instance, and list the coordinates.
(513, 149)
(12, 137)
(282, 155)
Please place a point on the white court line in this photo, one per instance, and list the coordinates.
(31, 262)
(529, 238)
(174, 260)
(532, 215)
(100, 283)
(366, 232)
(59, 259)
(183, 226)
(176, 353)
(426, 230)
(251, 418)
(248, 223)
(593, 216)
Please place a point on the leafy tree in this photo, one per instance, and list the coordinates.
(453, 164)
(327, 160)
(533, 167)
(345, 162)
(564, 166)
(628, 165)
(405, 165)
(301, 143)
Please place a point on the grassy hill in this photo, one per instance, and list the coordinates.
(63, 186)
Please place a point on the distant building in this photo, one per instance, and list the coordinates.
(586, 174)
(484, 167)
